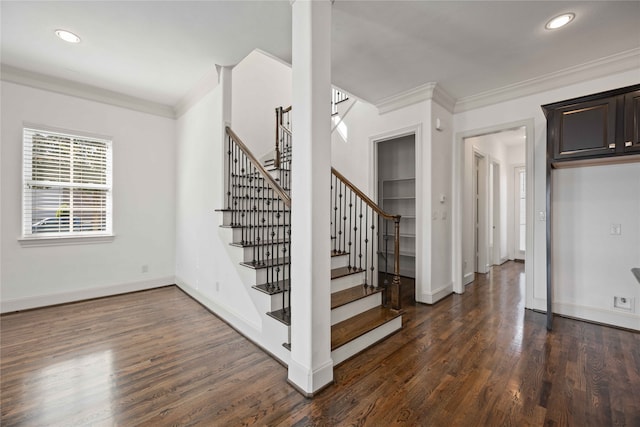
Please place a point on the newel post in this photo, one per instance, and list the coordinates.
(395, 284)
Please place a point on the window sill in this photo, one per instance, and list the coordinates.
(66, 240)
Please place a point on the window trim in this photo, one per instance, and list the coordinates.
(65, 240)
(53, 239)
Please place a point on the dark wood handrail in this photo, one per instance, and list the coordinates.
(364, 197)
(266, 175)
(284, 128)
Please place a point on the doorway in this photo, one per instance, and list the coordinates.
(488, 207)
(396, 190)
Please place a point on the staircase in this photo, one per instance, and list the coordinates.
(365, 303)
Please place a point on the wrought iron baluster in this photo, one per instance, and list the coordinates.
(263, 213)
(360, 239)
(366, 246)
(344, 222)
(229, 187)
(234, 189)
(272, 234)
(373, 234)
(335, 216)
(350, 235)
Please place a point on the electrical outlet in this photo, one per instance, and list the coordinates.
(615, 229)
(623, 303)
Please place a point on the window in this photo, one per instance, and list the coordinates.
(67, 185)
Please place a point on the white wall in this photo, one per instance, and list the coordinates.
(203, 257)
(143, 204)
(441, 237)
(586, 202)
(206, 267)
(260, 84)
(526, 108)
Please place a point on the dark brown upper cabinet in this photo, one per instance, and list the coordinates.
(599, 126)
(632, 122)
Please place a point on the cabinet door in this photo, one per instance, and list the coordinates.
(586, 129)
(632, 122)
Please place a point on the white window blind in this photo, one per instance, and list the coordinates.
(67, 184)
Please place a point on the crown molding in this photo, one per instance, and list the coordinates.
(441, 97)
(80, 90)
(425, 92)
(209, 82)
(618, 63)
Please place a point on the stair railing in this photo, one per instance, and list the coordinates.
(282, 158)
(261, 208)
(356, 222)
(337, 96)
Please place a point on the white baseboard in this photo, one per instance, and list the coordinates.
(437, 295)
(600, 315)
(16, 304)
(468, 278)
(309, 381)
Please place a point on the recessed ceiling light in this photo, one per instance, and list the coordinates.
(560, 21)
(67, 36)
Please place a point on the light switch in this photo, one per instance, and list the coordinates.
(542, 216)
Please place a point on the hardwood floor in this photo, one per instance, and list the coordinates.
(158, 358)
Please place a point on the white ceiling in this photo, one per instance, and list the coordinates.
(158, 51)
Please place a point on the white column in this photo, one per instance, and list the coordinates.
(311, 367)
(224, 81)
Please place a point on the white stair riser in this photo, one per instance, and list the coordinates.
(354, 308)
(338, 261)
(261, 275)
(346, 282)
(265, 303)
(261, 252)
(237, 233)
(351, 348)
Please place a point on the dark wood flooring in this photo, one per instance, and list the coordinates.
(158, 358)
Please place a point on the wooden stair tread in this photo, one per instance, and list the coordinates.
(261, 209)
(252, 244)
(255, 226)
(283, 316)
(344, 271)
(360, 324)
(335, 254)
(273, 288)
(269, 263)
(355, 293)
